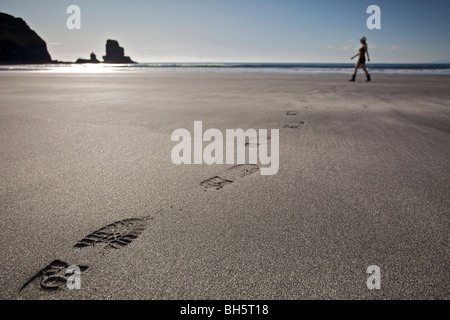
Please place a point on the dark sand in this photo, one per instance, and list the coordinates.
(365, 180)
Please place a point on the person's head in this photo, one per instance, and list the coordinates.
(363, 40)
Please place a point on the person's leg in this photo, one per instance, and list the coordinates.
(356, 67)
(354, 72)
(366, 72)
(364, 68)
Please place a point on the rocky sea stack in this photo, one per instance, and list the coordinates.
(19, 44)
(115, 53)
(92, 60)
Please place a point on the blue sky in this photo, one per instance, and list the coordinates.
(242, 30)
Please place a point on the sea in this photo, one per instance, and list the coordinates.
(281, 68)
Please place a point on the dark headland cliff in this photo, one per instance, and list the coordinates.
(19, 44)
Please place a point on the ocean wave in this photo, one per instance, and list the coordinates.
(286, 68)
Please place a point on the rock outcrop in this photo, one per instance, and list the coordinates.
(19, 44)
(93, 59)
(115, 53)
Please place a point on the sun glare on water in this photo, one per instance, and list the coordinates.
(83, 68)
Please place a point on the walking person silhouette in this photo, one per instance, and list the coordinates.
(362, 59)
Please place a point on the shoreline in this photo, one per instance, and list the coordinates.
(254, 68)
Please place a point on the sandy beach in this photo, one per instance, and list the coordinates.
(363, 180)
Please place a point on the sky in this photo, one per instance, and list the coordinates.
(321, 31)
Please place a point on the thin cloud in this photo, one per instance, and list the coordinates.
(341, 46)
(390, 48)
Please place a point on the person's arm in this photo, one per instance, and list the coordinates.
(354, 56)
(367, 51)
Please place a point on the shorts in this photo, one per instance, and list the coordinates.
(362, 60)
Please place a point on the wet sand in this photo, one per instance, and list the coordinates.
(363, 180)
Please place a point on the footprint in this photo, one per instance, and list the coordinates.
(115, 235)
(291, 113)
(53, 277)
(231, 175)
(252, 144)
(294, 124)
(242, 170)
(215, 183)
